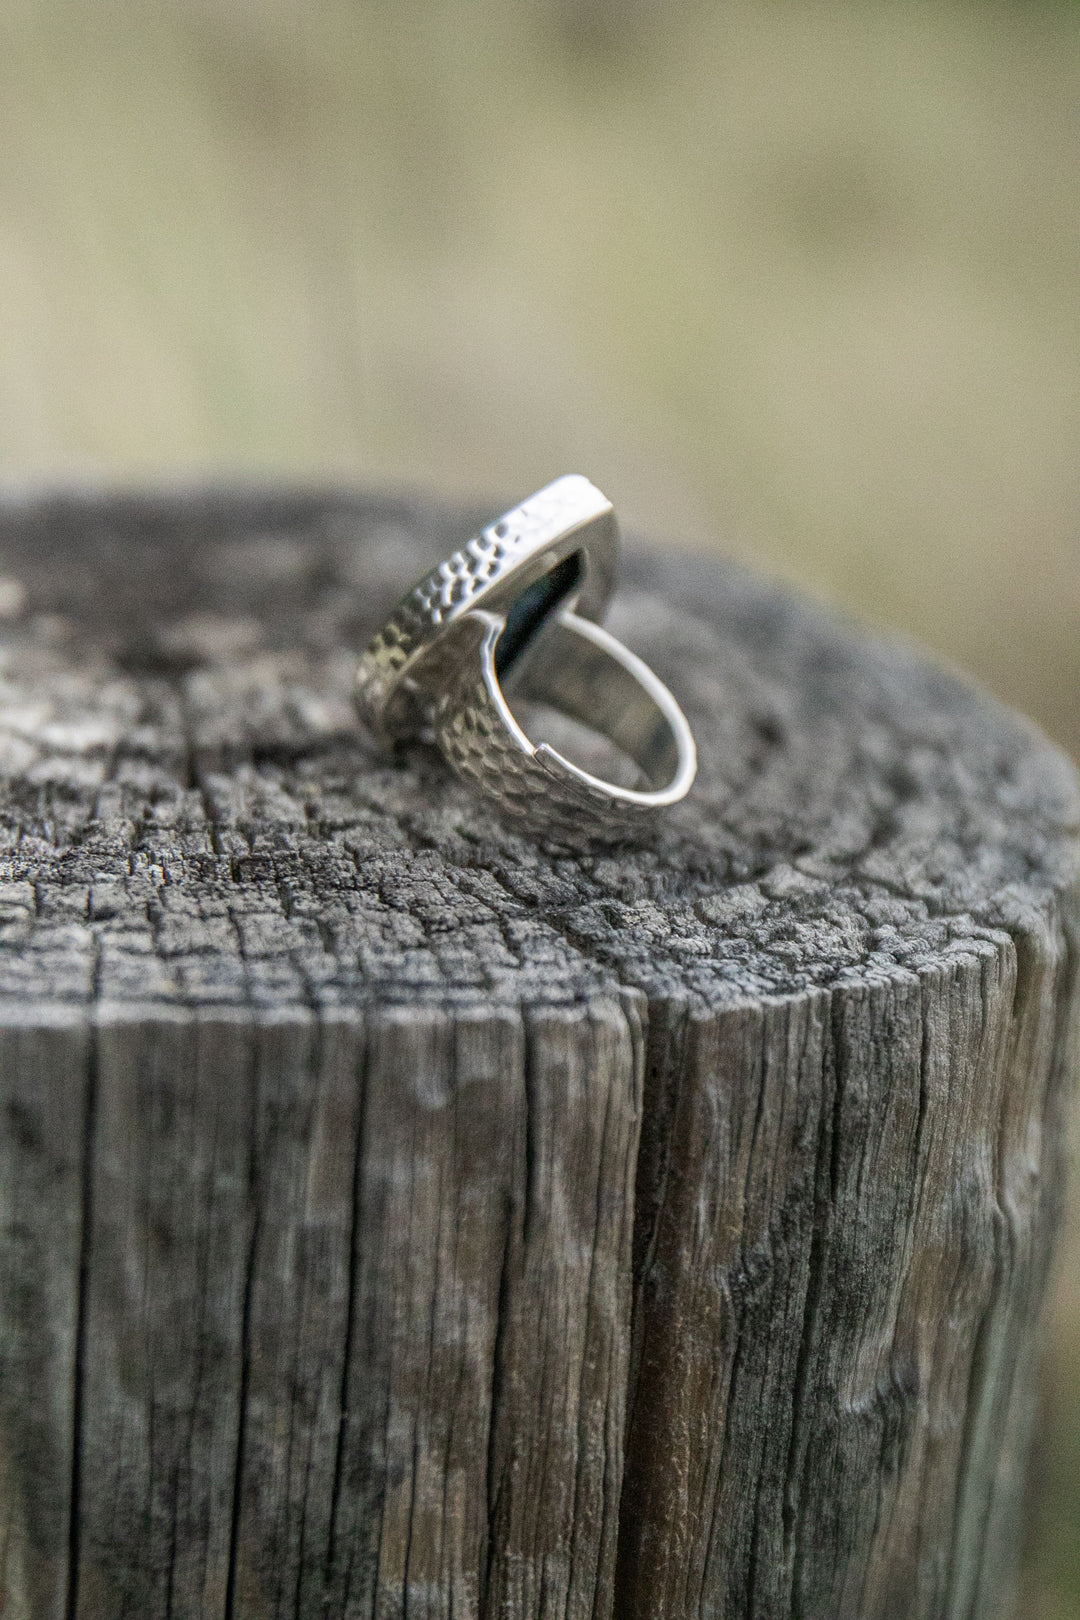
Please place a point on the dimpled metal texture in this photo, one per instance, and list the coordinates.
(403, 661)
(532, 785)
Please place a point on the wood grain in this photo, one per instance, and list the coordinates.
(402, 1218)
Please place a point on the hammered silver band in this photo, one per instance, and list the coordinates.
(403, 672)
(516, 610)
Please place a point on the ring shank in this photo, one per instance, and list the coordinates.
(583, 671)
(583, 678)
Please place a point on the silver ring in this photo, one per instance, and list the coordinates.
(516, 610)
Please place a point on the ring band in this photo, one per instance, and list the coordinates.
(590, 676)
(516, 610)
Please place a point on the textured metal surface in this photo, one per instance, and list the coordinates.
(404, 669)
(484, 744)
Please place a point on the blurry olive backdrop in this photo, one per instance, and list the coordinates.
(798, 280)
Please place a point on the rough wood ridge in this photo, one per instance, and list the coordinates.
(401, 1219)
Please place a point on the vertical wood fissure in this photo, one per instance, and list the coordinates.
(493, 1485)
(348, 1345)
(826, 1186)
(243, 1390)
(985, 1374)
(78, 1396)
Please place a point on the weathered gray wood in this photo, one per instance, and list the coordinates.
(43, 1076)
(401, 1219)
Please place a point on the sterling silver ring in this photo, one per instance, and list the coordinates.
(516, 612)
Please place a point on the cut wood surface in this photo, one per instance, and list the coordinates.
(399, 1218)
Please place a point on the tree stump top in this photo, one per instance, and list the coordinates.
(192, 816)
(401, 1218)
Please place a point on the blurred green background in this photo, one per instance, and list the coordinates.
(796, 280)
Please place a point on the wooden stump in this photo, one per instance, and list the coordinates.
(401, 1219)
